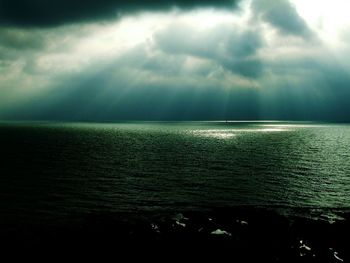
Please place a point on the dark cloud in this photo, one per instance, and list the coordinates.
(21, 39)
(282, 15)
(229, 47)
(250, 68)
(43, 13)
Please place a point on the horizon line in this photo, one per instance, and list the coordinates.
(170, 121)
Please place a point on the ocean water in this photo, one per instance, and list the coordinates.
(54, 172)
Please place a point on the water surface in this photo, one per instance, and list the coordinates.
(65, 171)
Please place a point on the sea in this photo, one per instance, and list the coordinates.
(57, 173)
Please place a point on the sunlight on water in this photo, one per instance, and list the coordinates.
(263, 130)
(218, 134)
(294, 126)
(230, 133)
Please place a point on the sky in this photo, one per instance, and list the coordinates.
(108, 60)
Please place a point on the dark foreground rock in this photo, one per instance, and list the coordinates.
(242, 235)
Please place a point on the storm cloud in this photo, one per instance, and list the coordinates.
(282, 15)
(230, 47)
(261, 60)
(42, 13)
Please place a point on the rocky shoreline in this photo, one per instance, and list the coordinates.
(245, 234)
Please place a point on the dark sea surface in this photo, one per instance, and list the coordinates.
(61, 172)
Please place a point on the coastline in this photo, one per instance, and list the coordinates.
(242, 233)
